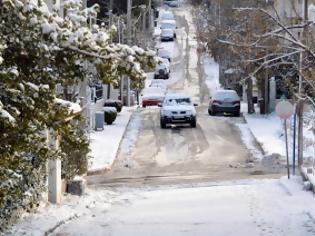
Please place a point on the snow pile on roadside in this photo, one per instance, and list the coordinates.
(104, 144)
(131, 135)
(211, 70)
(249, 140)
(49, 217)
(309, 135)
(268, 132)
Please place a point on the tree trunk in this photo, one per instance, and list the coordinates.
(266, 94)
(250, 104)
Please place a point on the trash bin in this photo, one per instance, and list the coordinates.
(99, 120)
(261, 103)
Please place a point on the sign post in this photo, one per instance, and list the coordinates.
(284, 110)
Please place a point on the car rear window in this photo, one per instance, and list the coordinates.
(221, 95)
(177, 101)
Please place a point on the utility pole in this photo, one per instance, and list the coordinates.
(300, 100)
(143, 25)
(129, 6)
(150, 16)
(110, 20)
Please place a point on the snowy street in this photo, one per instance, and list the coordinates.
(248, 207)
(216, 179)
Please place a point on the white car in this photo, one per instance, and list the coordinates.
(158, 85)
(162, 70)
(177, 108)
(168, 24)
(174, 3)
(168, 15)
(152, 96)
(163, 53)
(168, 35)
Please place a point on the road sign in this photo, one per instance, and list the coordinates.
(284, 110)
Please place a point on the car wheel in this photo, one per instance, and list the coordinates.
(144, 106)
(193, 123)
(237, 114)
(209, 112)
(163, 124)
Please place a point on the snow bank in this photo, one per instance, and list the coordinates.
(249, 140)
(104, 144)
(49, 217)
(268, 131)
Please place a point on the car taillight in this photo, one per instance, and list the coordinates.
(236, 103)
(217, 101)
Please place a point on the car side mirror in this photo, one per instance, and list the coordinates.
(195, 104)
(159, 104)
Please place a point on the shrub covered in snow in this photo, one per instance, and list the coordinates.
(114, 103)
(110, 114)
(38, 50)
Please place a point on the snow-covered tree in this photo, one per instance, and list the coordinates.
(38, 50)
(261, 43)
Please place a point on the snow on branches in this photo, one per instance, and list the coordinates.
(39, 50)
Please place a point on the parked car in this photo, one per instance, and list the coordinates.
(162, 70)
(224, 101)
(168, 24)
(157, 81)
(163, 53)
(174, 3)
(159, 85)
(152, 96)
(177, 109)
(168, 35)
(168, 15)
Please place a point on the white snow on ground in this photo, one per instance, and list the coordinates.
(49, 216)
(104, 144)
(268, 132)
(246, 207)
(309, 134)
(131, 135)
(249, 140)
(211, 70)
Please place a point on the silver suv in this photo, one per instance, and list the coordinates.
(177, 109)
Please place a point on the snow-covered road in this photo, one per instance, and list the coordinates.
(248, 207)
(169, 182)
